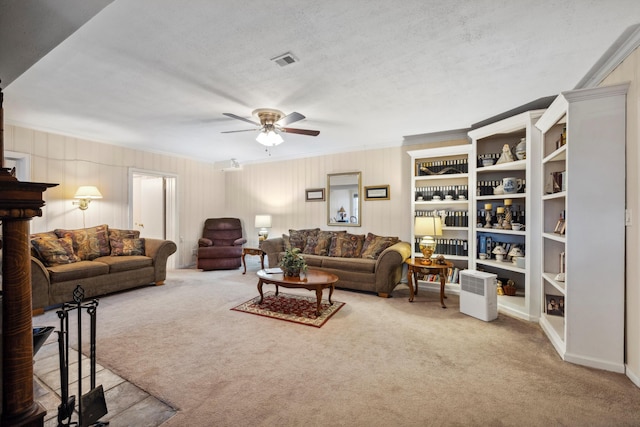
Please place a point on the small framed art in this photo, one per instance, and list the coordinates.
(314, 195)
(377, 192)
(554, 305)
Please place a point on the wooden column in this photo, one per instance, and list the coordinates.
(19, 202)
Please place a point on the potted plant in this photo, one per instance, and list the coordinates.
(293, 263)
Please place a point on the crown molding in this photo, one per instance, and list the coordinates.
(628, 41)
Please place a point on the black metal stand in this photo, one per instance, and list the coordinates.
(92, 405)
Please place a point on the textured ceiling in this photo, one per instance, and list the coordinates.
(157, 74)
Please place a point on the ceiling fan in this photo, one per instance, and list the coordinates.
(272, 122)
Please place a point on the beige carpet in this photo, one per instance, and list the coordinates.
(377, 362)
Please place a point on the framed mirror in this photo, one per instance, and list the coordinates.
(344, 191)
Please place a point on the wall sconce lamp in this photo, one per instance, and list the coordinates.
(263, 222)
(85, 194)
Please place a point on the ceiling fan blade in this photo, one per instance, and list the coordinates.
(302, 131)
(290, 118)
(233, 116)
(242, 130)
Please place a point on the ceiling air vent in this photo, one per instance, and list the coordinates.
(285, 59)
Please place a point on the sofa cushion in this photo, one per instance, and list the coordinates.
(126, 246)
(77, 271)
(320, 242)
(54, 251)
(313, 260)
(116, 237)
(359, 265)
(121, 263)
(347, 245)
(50, 235)
(374, 245)
(298, 238)
(88, 243)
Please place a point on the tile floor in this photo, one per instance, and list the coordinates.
(127, 405)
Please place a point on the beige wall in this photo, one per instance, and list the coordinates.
(278, 188)
(71, 162)
(629, 71)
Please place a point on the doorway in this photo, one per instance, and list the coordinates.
(153, 206)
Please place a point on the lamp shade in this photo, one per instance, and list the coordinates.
(428, 226)
(88, 192)
(263, 221)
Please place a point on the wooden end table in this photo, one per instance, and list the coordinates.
(312, 280)
(415, 266)
(252, 251)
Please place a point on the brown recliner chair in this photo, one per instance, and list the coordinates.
(220, 247)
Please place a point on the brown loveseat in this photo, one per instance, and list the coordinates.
(100, 259)
(220, 247)
(364, 263)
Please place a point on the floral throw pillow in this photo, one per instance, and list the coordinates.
(88, 243)
(116, 237)
(320, 243)
(127, 247)
(375, 245)
(347, 245)
(298, 238)
(55, 251)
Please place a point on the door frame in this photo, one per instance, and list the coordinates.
(171, 204)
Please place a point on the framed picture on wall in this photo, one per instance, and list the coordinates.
(377, 192)
(314, 195)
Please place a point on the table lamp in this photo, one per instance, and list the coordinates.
(263, 222)
(427, 227)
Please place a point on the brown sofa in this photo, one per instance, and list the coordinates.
(373, 267)
(99, 259)
(220, 247)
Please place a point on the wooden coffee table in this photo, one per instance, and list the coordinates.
(311, 280)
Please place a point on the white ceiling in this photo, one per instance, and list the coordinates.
(157, 74)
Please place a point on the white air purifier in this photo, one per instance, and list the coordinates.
(478, 294)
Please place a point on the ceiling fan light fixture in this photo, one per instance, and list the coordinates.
(269, 138)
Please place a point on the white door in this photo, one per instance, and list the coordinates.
(153, 207)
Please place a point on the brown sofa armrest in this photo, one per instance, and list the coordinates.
(272, 247)
(203, 243)
(389, 267)
(240, 242)
(39, 285)
(159, 250)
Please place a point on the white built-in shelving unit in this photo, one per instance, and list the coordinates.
(441, 172)
(583, 181)
(488, 141)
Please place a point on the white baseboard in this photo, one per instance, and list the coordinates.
(635, 378)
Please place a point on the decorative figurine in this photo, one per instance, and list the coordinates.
(506, 155)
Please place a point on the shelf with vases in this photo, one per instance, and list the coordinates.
(502, 196)
(501, 231)
(502, 265)
(516, 165)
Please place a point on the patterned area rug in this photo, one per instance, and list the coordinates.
(293, 308)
